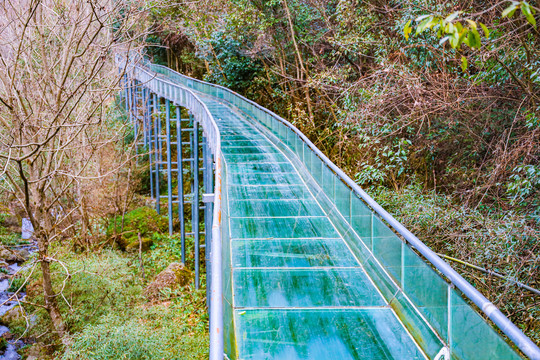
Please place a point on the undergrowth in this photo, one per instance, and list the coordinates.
(106, 313)
(501, 241)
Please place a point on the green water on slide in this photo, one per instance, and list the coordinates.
(309, 272)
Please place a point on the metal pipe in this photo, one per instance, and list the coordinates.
(157, 151)
(150, 143)
(195, 203)
(126, 101)
(208, 188)
(169, 165)
(180, 177)
(216, 290)
(491, 272)
(135, 115)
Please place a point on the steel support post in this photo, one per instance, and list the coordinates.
(126, 87)
(169, 165)
(195, 200)
(157, 150)
(208, 212)
(151, 143)
(180, 177)
(145, 117)
(135, 115)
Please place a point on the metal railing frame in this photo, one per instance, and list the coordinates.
(526, 345)
(182, 96)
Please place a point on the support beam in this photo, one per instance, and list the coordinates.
(157, 150)
(151, 142)
(169, 165)
(180, 177)
(195, 203)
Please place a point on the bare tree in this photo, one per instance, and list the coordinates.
(57, 77)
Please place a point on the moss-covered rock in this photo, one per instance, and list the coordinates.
(174, 276)
(11, 316)
(133, 244)
(144, 221)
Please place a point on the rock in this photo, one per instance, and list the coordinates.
(174, 276)
(12, 315)
(35, 352)
(134, 244)
(23, 254)
(12, 223)
(9, 255)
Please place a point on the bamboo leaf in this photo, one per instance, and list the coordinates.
(486, 30)
(407, 29)
(452, 16)
(509, 11)
(472, 24)
(464, 63)
(528, 12)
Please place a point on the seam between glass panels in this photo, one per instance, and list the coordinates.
(278, 217)
(289, 239)
(322, 308)
(301, 268)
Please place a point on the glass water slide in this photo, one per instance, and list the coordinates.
(305, 265)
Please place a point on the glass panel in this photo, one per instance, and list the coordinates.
(328, 182)
(264, 179)
(381, 280)
(275, 208)
(424, 336)
(269, 192)
(292, 253)
(427, 290)
(307, 157)
(291, 139)
(472, 337)
(343, 199)
(322, 335)
(316, 170)
(282, 131)
(301, 227)
(260, 167)
(304, 288)
(300, 148)
(387, 248)
(361, 220)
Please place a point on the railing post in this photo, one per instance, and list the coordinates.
(151, 143)
(134, 114)
(157, 150)
(195, 203)
(169, 165)
(126, 88)
(208, 212)
(180, 178)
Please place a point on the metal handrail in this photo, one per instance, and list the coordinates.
(155, 83)
(526, 345)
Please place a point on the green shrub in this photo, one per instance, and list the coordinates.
(143, 220)
(115, 338)
(17, 284)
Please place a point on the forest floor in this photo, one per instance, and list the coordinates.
(107, 310)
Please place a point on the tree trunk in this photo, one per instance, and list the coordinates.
(48, 292)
